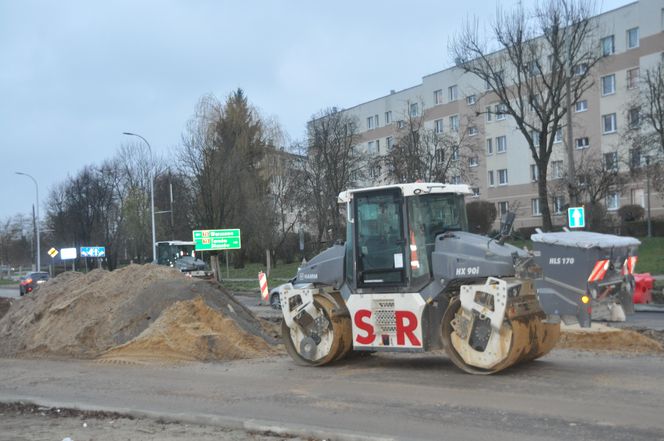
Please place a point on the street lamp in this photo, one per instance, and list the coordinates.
(37, 220)
(154, 234)
(648, 195)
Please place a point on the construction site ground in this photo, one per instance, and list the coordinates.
(204, 366)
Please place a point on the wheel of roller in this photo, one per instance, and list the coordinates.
(447, 330)
(543, 337)
(332, 341)
(346, 344)
(527, 338)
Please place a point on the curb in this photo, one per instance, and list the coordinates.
(228, 422)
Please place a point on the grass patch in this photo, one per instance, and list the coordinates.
(278, 275)
(7, 282)
(651, 255)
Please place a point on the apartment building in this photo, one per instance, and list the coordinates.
(631, 39)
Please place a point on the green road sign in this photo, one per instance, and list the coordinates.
(210, 240)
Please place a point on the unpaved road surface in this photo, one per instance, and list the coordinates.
(567, 395)
(30, 423)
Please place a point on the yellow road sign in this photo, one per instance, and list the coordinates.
(52, 252)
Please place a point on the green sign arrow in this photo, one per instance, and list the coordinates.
(210, 240)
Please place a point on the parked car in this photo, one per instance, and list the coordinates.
(31, 282)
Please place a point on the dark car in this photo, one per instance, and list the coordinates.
(32, 281)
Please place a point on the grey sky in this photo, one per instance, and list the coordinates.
(75, 74)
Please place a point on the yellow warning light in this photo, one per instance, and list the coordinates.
(585, 299)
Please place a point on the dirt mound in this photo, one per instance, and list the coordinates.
(4, 306)
(610, 339)
(85, 316)
(191, 330)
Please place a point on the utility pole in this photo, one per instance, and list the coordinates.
(571, 166)
(36, 217)
(648, 196)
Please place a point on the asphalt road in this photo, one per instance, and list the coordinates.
(566, 395)
(9, 291)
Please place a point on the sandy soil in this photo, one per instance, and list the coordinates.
(149, 311)
(28, 423)
(603, 338)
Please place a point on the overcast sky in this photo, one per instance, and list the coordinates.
(74, 75)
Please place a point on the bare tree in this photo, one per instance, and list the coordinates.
(223, 150)
(540, 68)
(423, 153)
(333, 163)
(645, 116)
(595, 177)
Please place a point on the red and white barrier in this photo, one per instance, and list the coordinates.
(262, 282)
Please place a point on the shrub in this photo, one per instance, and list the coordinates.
(631, 213)
(481, 216)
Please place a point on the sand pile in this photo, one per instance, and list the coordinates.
(86, 316)
(191, 330)
(608, 339)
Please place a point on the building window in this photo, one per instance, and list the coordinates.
(375, 171)
(558, 136)
(453, 93)
(455, 154)
(608, 46)
(611, 161)
(634, 117)
(476, 192)
(613, 201)
(472, 131)
(438, 96)
(414, 109)
(503, 207)
(501, 111)
(535, 206)
(558, 204)
(454, 123)
(401, 124)
(438, 126)
(473, 161)
(580, 69)
(632, 38)
(489, 146)
(635, 158)
(371, 147)
(534, 173)
(632, 78)
(390, 142)
(456, 179)
(440, 156)
(581, 106)
(556, 169)
(502, 177)
(608, 85)
(489, 114)
(491, 182)
(487, 84)
(370, 123)
(609, 123)
(534, 134)
(471, 99)
(388, 117)
(582, 143)
(501, 144)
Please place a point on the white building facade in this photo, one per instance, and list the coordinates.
(504, 172)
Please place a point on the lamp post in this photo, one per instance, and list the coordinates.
(37, 216)
(154, 234)
(648, 195)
